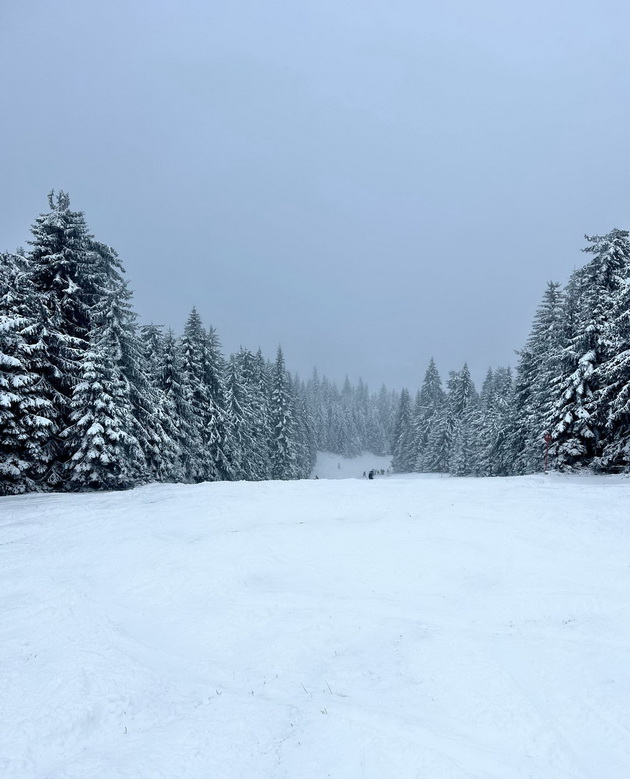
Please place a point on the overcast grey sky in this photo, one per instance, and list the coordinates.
(369, 182)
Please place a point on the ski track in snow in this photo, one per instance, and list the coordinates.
(410, 626)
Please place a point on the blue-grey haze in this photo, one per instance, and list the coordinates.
(368, 182)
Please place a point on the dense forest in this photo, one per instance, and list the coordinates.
(91, 399)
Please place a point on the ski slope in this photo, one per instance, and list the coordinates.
(332, 466)
(410, 626)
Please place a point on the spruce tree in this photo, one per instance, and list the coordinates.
(492, 426)
(259, 381)
(171, 383)
(579, 418)
(349, 444)
(61, 271)
(283, 451)
(216, 421)
(112, 397)
(158, 377)
(26, 412)
(103, 453)
(438, 450)
(430, 403)
(403, 459)
(614, 393)
(462, 460)
(535, 389)
(305, 453)
(197, 393)
(240, 412)
(313, 399)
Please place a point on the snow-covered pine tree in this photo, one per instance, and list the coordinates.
(315, 407)
(283, 451)
(380, 431)
(113, 409)
(461, 392)
(61, 271)
(492, 425)
(152, 340)
(197, 393)
(204, 388)
(171, 382)
(438, 450)
(375, 435)
(362, 414)
(102, 451)
(403, 459)
(159, 360)
(415, 416)
(194, 344)
(536, 375)
(217, 421)
(304, 439)
(260, 381)
(431, 402)
(463, 457)
(614, 380)
(579, 417)
(504, 422)
(240, 413)
(334, 422)
(349, 437)
(26, 411)
(462, 402)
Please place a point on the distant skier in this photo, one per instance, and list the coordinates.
(371, 474)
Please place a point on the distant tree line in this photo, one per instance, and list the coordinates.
(570, 394)
(89, 399)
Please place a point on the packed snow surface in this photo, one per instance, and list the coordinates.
(332, 466)
(410, 626)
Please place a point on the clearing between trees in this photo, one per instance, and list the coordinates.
(401, 627)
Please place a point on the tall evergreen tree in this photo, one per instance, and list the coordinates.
(161, 382)
(578, 419)
(493, 426)
(102, 453)
(61, 270)
(194, 344)
(444, 434)
(217, 422)
(463, 455)
(314, 399)
(537, 371)
(403, 459)
(349, 436)
(430, 403)
(26, 413)
(283, 452)
(614, 379)
(240, 414)
(303, 431)
(103, 435)
(171, 382)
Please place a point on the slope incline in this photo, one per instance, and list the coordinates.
(399, 627)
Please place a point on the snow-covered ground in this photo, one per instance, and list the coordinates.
(402, 627)
(332, 466)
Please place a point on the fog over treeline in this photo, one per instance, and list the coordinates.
(91, 399)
